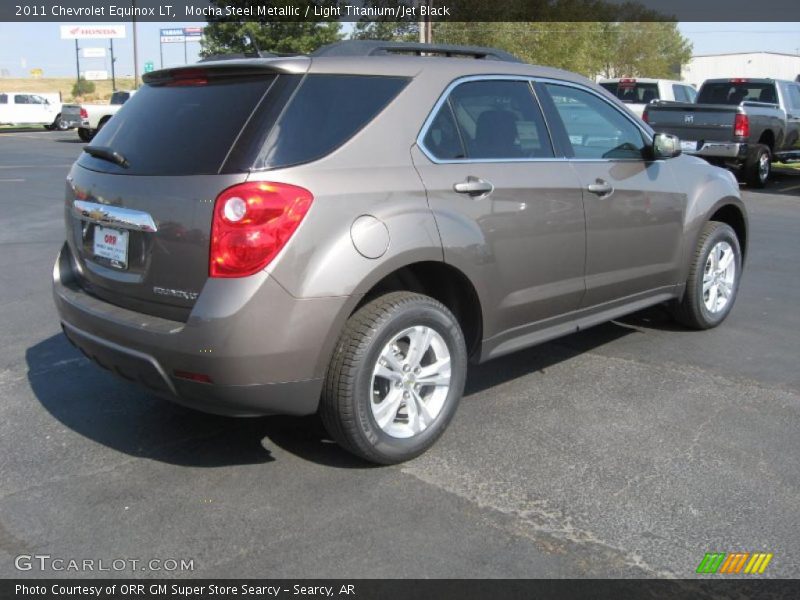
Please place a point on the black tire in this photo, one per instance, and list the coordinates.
(345, 407)
(101, 124)
(752, 172)
(85, 134)
(691, 311)
(58, 124)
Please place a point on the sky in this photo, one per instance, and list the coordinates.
(25, 46)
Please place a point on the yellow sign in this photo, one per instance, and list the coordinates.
(36, 73)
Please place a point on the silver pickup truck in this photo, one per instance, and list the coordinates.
(742, 124)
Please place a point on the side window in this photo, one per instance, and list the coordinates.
(443, 140)
(3, 99)
(794, 96)
(679, 92)
(325, 112)
(691, 93)
(594, 127)
(499, 120)
(36, 99)
(21, 99)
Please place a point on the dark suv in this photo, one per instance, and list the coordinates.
(343, 232)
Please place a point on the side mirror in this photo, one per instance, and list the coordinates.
(666, 145)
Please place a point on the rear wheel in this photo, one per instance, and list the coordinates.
(59, 123)
(713, 278)
(395, 378)
(758, 166)
(85, 134)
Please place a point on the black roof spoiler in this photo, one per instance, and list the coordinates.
(241, 55)
(353, 48)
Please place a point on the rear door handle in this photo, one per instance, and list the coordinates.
(474, 187)
(600, 187)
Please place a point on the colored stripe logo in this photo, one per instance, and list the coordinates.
(748, 563)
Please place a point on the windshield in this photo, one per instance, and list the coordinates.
(729, 92)
(633, 92)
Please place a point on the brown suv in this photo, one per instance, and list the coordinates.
(343, 232)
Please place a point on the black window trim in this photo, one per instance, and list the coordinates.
(552, 121)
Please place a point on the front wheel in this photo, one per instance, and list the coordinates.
(395, 378)
(86, 135)
(713, 278)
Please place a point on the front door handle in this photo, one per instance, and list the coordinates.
(474, 187)
(600, 187)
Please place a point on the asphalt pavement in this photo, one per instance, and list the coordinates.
(629, 450)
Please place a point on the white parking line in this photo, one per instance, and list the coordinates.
(790, 188)
(10, 180)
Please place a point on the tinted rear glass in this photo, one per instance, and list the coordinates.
(119, 97)
(326, 111)
(633, 93)
(181, 130)
(735, 93)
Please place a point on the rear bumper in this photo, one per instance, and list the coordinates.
(264, 351)
(71, 122)
(721, 150)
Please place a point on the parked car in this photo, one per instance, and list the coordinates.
(638, 93)
(23, 108)
(343, 232)
(743, 124)
(91, 118)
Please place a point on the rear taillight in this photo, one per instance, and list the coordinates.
(741, 126)
(645, 117)
(84, 113)
(252, 223)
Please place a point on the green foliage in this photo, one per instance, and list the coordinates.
(393, 31)
(272, 35)
(82, 88)
(608, 49)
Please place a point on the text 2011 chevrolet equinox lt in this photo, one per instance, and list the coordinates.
(344, 232)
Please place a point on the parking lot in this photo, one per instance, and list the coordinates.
(629, 450)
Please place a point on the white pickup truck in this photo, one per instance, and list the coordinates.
(638, 93)
(25, 108)
(92, 117)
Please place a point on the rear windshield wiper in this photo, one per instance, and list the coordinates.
(108, 154)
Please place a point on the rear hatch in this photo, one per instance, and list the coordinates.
(140, 199)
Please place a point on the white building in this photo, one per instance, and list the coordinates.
(776, 65)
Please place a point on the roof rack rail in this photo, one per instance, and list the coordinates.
(382, 48)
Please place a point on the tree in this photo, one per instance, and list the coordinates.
(609, 49)
(226, 36)
(82, 87)
(394, 31)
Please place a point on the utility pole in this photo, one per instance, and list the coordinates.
(77, 60)
(135, 48)
(425, 31)
(113, 76)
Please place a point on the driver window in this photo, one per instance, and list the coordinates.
(596, 130)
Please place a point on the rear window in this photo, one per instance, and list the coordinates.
(180, 130)
(3, 99)
(119, 97)
(633, 92)
(326, 112)
(736, 92)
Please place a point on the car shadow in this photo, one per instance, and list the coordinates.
(123, 417)
(783, 181)
(77, 140)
